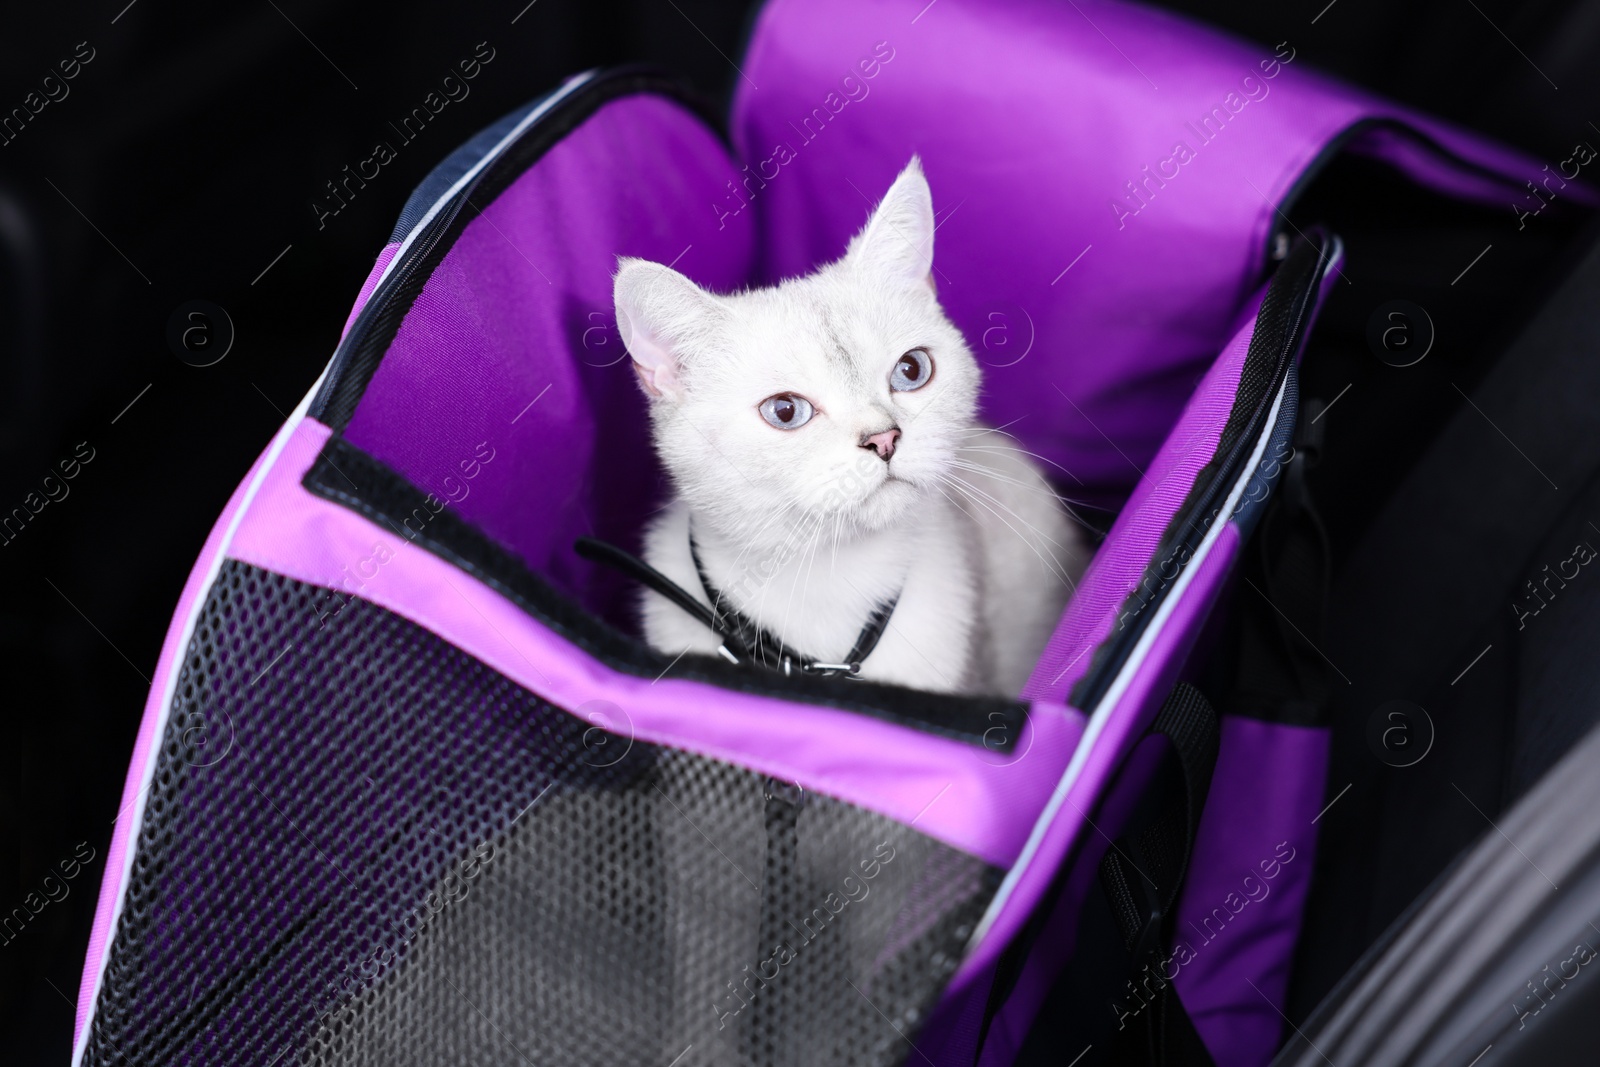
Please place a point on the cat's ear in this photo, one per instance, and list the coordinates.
(659, 313)
(898, 240)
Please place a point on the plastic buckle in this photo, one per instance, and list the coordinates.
(789, 793)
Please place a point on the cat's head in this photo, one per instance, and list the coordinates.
(843, 395)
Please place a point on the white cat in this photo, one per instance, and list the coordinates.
(821, 438)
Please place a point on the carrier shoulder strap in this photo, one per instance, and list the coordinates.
(1143, 873)
(1280, 677)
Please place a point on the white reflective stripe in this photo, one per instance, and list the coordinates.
(169, 688)
(284, 432)
(1108, 703)
(574, 83)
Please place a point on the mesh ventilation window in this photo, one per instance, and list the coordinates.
(363, 846)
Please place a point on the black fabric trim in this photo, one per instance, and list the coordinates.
(363, 348)
(768, 649)
(346, 475)
(455, 166)
(1188, 720)
(1279, 334)
(1340, 142)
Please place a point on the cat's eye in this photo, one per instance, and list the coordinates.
(911, 371)
(786, 411)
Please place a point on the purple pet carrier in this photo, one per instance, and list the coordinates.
(410, 790)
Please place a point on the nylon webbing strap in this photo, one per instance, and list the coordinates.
(1281, 675)
(1143, 873)
(782, 802)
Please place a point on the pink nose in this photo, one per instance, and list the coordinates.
(882, 443)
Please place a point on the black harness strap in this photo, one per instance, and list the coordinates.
(742, 637)
(768, 648)
(782, 1009)
(598, 551)
(1143, 876)
(776, 1011)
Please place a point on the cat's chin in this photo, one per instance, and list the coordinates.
(889, 504)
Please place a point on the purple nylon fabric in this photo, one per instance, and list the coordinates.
(964, 795)
(1057, 938)
(1240, 925)
(1118, 567)
(506, 390)
(1122, 726)
(1428, 168)
(1095, 281)
(950, 1036)
(385, 257)
(1096, 273)
(111, 880)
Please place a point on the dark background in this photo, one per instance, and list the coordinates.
(186, 158)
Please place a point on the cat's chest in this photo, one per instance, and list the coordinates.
(819, 599)
(819, 596)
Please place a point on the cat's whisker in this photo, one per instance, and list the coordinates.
(997, 449)
(1064, 502)
(976, 495)
(808, 560)
(753, 542)
(1047, 559)
(1051, 565)
(1003, 426)
(1009, 510)
(997, 506)
(795, 543)
(762, 510)
(1042, 488)
(1038, 485)
(782, 552)
(838, 535)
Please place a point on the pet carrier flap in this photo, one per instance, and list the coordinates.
(409, 789)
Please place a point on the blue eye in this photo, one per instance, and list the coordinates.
(786, 411)
(911, 371)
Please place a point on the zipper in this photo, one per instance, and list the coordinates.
(357, 357)
(1110, 658)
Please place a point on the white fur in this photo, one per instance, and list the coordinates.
(805, 530)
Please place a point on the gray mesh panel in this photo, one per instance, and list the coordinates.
(362, 846)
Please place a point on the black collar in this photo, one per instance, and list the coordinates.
(766, 648)
(742, 637)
